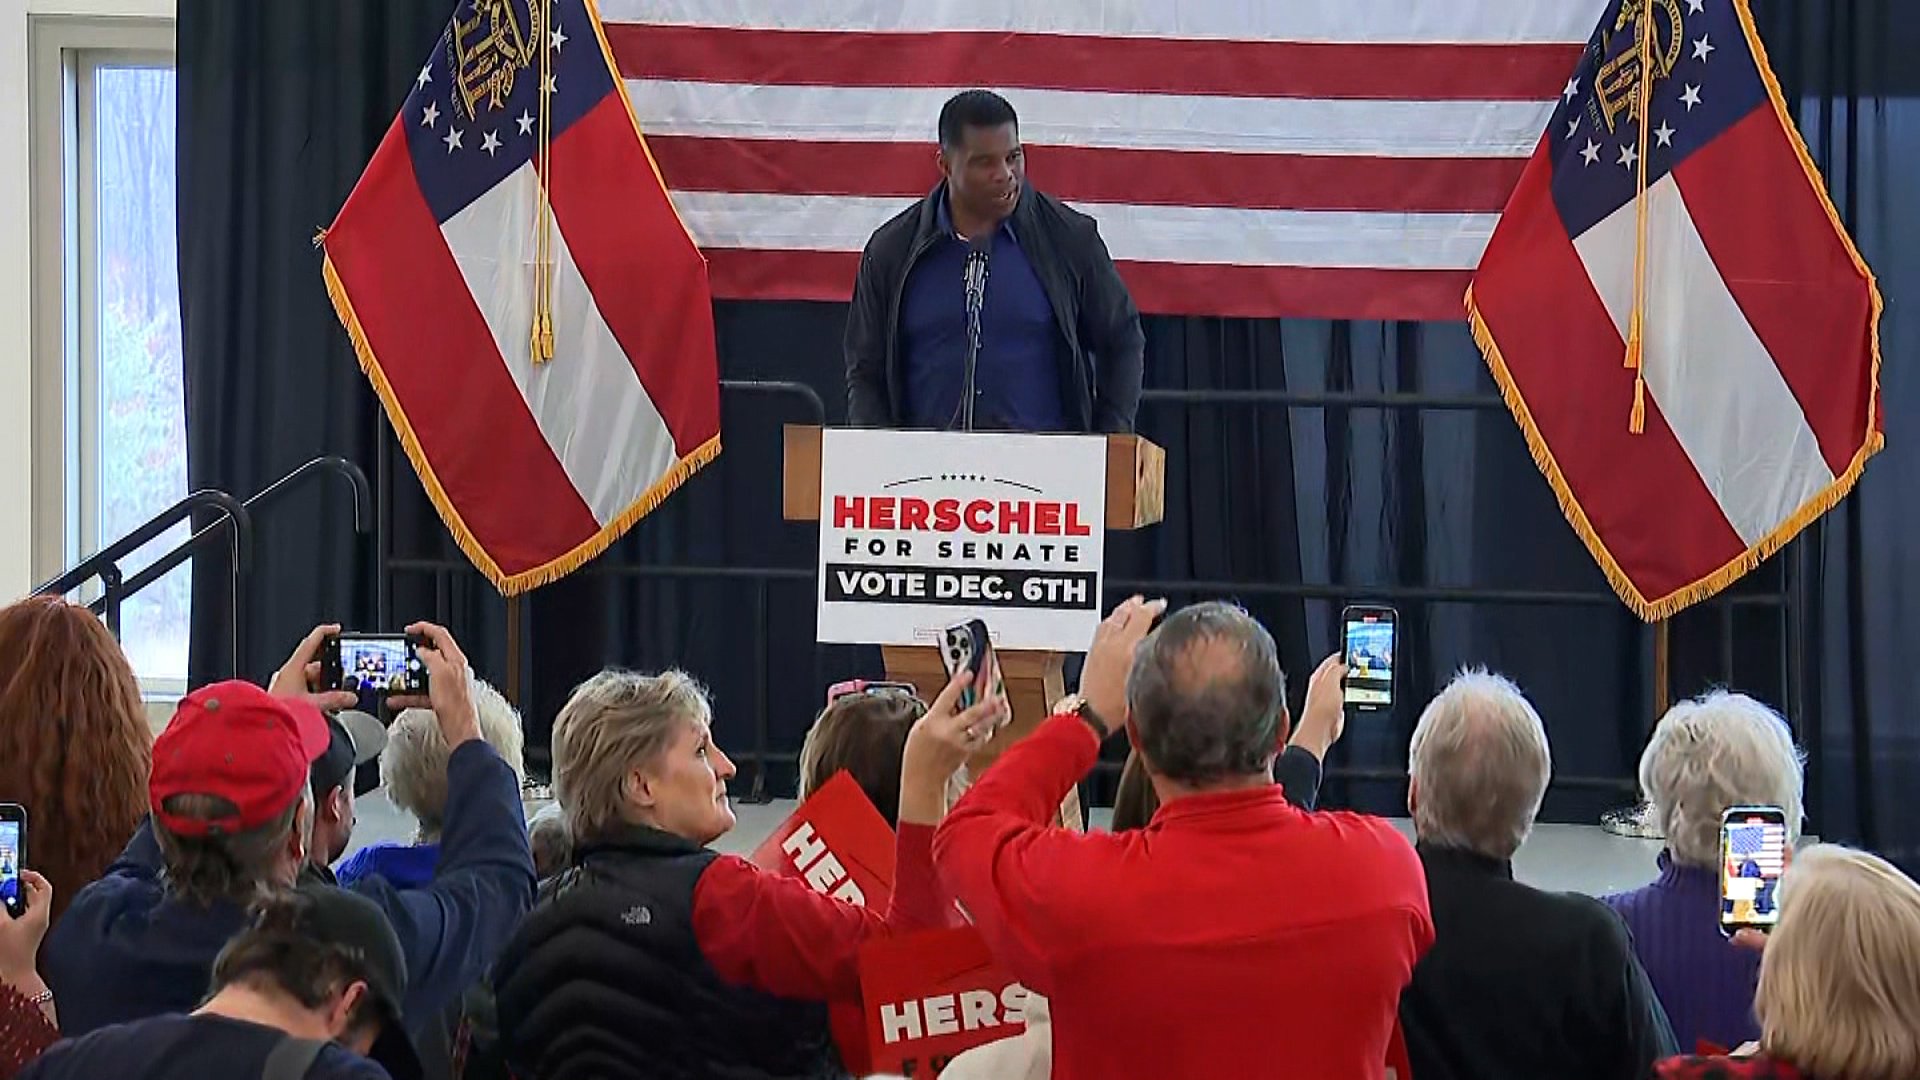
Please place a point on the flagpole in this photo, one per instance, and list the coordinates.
(513, 653)
(1662, 680)
(1633, 820)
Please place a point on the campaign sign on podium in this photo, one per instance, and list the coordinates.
(837, 843)
(920, 530)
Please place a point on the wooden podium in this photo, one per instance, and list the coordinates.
(1135, 498)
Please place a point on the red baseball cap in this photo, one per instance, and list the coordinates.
(237, 742)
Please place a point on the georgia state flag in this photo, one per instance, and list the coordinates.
(1761, 355)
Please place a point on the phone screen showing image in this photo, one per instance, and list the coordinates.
(12, 893)
(378, 665)
(1368, 645)
(1753, 855)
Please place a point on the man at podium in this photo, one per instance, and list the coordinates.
(988, 305)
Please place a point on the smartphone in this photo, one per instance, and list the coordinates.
(13, 855)
(374, 666)
(1753, 855)
(1367, 645)
(969, 647)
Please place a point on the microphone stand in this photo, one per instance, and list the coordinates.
(976, 282)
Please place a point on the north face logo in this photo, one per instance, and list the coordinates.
(638, 915)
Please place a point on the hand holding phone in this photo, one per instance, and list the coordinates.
(373, 666)
(1367, 646)
(13, 857)
(969, 647)
(1754, 852)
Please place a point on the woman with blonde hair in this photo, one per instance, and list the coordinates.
(75, 748)
(1839, 995)
(654, 955)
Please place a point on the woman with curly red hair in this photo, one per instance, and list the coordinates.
(75, 748)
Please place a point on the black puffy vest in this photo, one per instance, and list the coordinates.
(605, 981)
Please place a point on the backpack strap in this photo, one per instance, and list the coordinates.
(290, 1058)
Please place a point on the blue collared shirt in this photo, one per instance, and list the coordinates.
(1017, 377)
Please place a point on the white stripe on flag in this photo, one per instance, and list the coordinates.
(1715, 383)
(588, 400)
(1318, 126)
(1414, 21)
(1181, 234)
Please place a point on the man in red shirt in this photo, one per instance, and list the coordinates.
(1233, 936)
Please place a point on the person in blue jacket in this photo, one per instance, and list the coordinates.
(232, 816)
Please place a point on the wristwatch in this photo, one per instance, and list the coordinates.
(1077, 705)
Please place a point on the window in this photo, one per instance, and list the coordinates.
(116, 355)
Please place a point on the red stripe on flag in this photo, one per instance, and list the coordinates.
(646, 276)
(1187, 289)
(436, 353)
(1790, 273)
(1268, 69)
(1090, 174)
(1641, 493)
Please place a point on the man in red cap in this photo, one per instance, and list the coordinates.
(233, 816)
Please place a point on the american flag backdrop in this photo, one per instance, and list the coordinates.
(1320, 158)
(1765, 843)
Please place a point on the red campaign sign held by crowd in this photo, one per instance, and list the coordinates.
(933, 994)
(836, 842)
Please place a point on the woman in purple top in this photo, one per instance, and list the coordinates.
(1706, 755)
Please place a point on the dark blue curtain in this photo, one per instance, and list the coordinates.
(1291, 508)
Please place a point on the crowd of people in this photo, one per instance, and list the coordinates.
(193, 909)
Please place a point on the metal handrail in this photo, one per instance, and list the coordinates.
(362, 515)
(232, 509)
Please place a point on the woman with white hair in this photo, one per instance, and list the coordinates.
(1839, 994)
(655, 956)
(413, 769)
(1706, 755)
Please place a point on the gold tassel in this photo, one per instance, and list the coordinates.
(541, 343)
(1636, 423)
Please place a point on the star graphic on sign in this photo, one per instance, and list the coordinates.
(1628, 156)
(429, 114)
(1691, 96)
(1572, 90)
(1701, 48)
(1590, 152)
(426, 76)
(452, 140)
(551, 87)
(525, 122)
(1573, 125)
(491, 143)
(1695, 7)
(558, 37)
(1664, 134)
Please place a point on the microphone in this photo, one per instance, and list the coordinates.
(978, 249)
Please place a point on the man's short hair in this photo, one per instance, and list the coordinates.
(552, 844)
(1206, 695)
(217, 867)
(973, 109)
(1481, 763)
